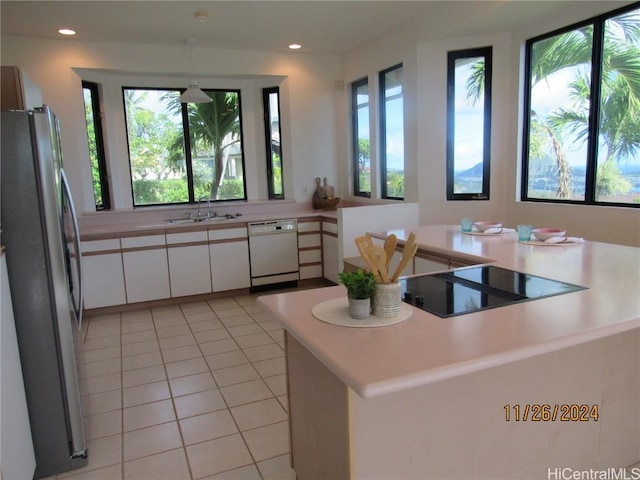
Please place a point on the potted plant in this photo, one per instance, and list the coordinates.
(360, 288)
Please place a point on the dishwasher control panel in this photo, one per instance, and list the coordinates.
(273, 227)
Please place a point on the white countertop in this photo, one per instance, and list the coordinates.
(113, 228)
(426, 348)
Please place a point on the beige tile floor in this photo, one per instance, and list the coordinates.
(187, 391)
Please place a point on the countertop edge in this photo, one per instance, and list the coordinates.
(503, 358)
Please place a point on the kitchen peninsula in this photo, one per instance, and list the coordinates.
(441, 398)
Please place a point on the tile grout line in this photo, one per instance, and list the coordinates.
(184, 316)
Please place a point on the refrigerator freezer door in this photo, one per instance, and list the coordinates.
(44, 318)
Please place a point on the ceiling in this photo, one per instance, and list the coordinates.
(321, 26)
(332, 27)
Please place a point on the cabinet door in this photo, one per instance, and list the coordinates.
(146, 274)
(189, 270)
(230, 265)
(103, 280)
(330, 257)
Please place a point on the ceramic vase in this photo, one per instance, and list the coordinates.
(359, 308)
(387, 300)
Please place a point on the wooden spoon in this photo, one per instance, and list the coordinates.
(379, 258)
(390, 244)
(408, 252)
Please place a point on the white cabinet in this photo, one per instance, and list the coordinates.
(103, 273)
(146, 271)
(309, 249)
(189, 266)
(229, 253)
(330, 256)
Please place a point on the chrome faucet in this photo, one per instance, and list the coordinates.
(208, 199)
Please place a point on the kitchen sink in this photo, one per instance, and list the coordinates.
(221, 218)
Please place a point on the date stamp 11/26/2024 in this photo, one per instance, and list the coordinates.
(542, 412)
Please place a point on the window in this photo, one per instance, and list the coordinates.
(469, 123)
(271, 104)
(582, 113)
(361, 151)
(180, 153)
(96, 145)
(392, 133)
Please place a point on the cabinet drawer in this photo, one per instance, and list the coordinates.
(186, 237)
(310, 256)
(330, 227)
(100, 245)
(146, 241)
(306, 241)
(227, 233)
(312, 271)
(308, 226)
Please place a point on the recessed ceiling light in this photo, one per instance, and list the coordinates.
(66, 31)
(295, 46)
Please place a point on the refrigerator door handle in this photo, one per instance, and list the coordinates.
(76, 242)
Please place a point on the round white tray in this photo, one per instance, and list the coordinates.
(336, 312)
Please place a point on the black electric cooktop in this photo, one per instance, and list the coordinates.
(470, 290)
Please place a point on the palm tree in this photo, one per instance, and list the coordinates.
(620, 93)
(213, 127)
(619, 124)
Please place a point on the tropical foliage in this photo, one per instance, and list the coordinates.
(93, 149)
(157, 147)
(213, 128)
(565, 130)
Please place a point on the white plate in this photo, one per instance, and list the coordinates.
(336, 312)
(505, 231)
(545, 244)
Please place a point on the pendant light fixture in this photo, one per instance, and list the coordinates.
(193, 94)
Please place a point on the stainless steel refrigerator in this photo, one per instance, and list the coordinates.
(45, 278)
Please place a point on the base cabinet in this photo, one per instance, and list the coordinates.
(189, 271)
(230, 266)
(146, 275)
(229, 253)
(103, 280)
(103, 273)
(188, 256)
(331, 263)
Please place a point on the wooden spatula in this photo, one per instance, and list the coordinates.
(379, 258)
(390, 244)
(363, 243)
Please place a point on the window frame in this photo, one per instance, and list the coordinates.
(266, 92)
(356, 138)
(452, 56)
(187, 146)
(383, 130)
(598, 24)
(93, 88)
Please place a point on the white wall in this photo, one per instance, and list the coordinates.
(308, 104)
(422, 46)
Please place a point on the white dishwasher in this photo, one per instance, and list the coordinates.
(273, 250)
